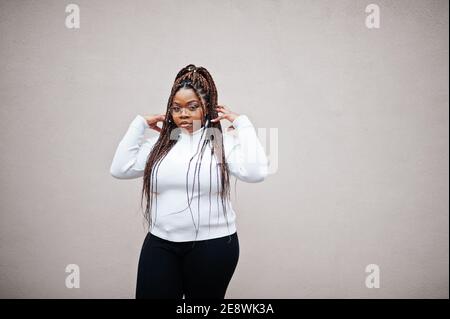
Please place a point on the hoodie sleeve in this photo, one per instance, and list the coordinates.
(244, 153)
(131, 154)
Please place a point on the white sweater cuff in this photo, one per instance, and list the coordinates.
(140, 122)
(242, 121)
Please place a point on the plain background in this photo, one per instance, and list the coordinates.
(362, 119)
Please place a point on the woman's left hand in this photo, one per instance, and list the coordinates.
(226, 114)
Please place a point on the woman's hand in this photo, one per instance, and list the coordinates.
(226, 114)
(152, 120)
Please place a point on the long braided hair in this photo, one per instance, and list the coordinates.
(200, 80)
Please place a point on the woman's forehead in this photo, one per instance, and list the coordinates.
(185, 95)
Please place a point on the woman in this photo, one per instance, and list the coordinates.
(192, 247)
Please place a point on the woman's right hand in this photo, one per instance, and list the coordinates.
(152, 120)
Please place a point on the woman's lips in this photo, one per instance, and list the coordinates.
(186, 124)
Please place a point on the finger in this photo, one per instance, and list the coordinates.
(221, 110)
(161, 118)
(158, 118)
(217, 118)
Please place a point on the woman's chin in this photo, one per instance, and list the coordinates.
(187, 129)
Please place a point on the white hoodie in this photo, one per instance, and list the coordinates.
(172, 218)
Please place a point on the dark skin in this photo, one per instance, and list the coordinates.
(191, 110)
(184, 99)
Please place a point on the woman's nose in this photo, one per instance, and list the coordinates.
(184, 109)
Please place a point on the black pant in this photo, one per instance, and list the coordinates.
(200, 269)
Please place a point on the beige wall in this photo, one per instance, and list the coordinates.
(362, 119)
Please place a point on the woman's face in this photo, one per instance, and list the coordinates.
(187, 110)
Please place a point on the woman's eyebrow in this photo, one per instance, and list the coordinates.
(187, 102)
